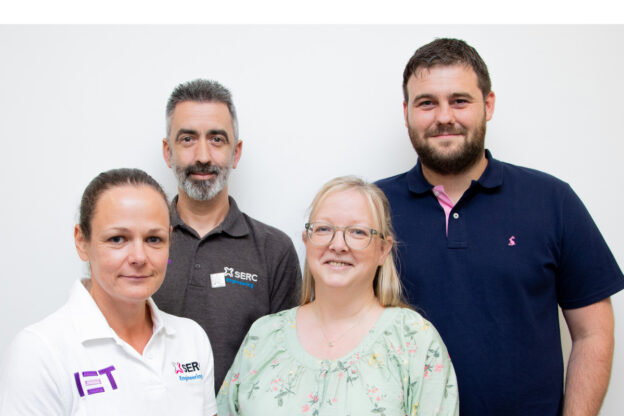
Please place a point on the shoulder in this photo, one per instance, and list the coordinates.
(183, 327)
(407, 323)
(529, 176)
(272, 324)
(393, 182)
(262, 231)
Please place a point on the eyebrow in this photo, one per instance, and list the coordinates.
(125, 230)
(453, 95)
(212, 132)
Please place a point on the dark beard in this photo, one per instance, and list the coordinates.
(471, 151)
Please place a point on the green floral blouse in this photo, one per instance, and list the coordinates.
(400, 368)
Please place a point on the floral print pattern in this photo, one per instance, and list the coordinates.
(400, 368)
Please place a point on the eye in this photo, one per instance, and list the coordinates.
(322, 229)
(219, 140)
(154, 240)
(425, 104)
(116, 239)
(358, 232)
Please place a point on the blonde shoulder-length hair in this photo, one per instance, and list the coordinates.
(386, 285)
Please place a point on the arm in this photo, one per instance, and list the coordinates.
(589, 367)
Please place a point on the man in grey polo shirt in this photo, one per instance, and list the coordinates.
(225, 269)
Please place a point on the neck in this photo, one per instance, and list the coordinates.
(333, 305)
(203, 216)
(132, 322)
(456, 184)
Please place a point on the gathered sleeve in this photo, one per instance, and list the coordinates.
(261, 346)
(428, 377)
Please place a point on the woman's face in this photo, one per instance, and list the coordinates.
(129, 244)
(336, 264)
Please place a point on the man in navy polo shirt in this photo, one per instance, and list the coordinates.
(487, 250)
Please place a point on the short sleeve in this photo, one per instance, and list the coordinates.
(210, 403)
(430, 384)
(286, 279)
(587, 270)
(30, 379)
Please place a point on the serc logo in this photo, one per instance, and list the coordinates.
(192, 367)
(92, 382)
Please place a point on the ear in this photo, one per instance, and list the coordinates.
(304, 237)
(385, 248)
(405, 113)
(166, 152)
(81, 243)
(490, 99)
(238, 151)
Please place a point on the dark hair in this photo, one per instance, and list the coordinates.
(446, 51)
(201, 90)
(105, 181)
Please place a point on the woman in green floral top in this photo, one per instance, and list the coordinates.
(353, 347)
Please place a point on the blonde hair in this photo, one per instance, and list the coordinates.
(386, 285)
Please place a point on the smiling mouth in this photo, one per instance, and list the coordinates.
(338, 263)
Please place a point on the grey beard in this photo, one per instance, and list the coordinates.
(202, 190)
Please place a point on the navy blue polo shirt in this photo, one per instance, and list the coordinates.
(519, 243)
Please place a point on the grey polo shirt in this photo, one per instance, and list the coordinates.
(241, 270)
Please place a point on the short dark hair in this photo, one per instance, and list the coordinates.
(201, 90)
(105, 181)
(447, 51)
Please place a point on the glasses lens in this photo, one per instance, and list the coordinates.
(320, 233)
(358, 237)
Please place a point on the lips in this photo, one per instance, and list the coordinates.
(338, 263)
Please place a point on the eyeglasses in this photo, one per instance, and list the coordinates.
(356, 237)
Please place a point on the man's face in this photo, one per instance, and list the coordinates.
(201, 148)
(446, 116)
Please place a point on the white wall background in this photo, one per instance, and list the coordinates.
(314, 102)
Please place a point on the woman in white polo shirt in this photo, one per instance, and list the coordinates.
(109, 350)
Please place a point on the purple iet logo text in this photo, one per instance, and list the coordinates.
(92, 382)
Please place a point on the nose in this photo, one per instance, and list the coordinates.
(203, 152)
(338, 243)
(137, 255)
(445, 114)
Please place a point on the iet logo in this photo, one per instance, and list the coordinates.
(91, 381)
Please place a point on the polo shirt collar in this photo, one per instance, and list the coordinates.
(90, 323)
(234, 224)
(492, 177)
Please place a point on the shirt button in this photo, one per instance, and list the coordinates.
(436, 193)
(198, 266)
(455, 215)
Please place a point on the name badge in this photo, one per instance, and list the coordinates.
(217, 279)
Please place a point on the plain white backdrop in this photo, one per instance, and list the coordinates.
(314, 102)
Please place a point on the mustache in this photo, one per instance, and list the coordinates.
(445, 129)
(202, 168)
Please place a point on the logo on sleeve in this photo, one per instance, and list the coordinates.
(94, 382)
(188, 371)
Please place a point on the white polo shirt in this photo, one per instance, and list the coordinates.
(73, 363)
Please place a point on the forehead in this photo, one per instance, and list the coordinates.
(188, 114)
(129, 204)
(443, 79)
(350, 206)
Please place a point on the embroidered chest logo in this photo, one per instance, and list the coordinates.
(512, 241)
(239, 278)
(192, 367)
(91, 381)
